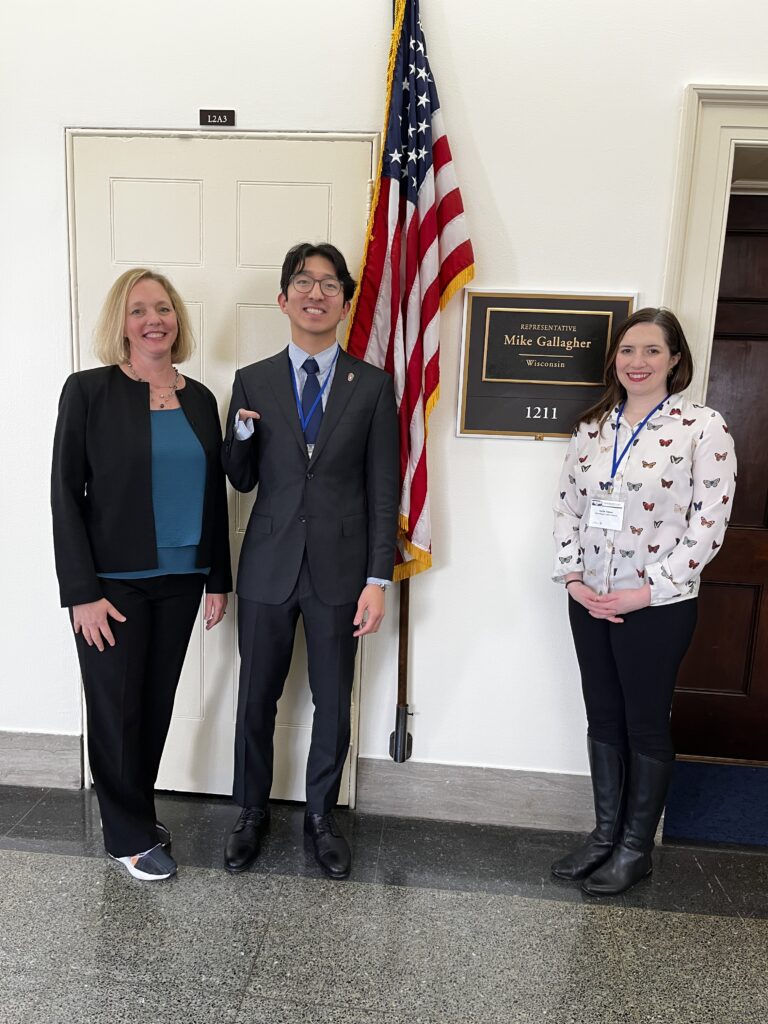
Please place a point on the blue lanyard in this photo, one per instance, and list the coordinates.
(617, 461)
(304, 420)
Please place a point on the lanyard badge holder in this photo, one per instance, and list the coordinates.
(606, 510)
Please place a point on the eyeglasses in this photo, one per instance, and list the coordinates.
(303, 283)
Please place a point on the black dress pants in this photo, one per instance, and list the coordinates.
(129, 694)
(628, 673)
(266, 636)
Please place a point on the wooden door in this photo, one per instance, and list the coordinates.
(721, 703)
(217, 214)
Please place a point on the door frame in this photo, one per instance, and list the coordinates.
(715, 120)
(70, 134)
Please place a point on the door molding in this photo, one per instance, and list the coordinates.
(715, 120)
(366, 165)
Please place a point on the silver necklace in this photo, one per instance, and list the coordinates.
(160, 398)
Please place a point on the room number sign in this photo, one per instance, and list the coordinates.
(533, 362)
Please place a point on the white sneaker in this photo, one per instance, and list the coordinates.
(152, 866)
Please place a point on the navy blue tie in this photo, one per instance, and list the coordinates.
(308, 396)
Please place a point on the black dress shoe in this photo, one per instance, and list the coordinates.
(331, 849)
(244, 842)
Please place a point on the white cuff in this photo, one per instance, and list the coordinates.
(243, 428)
(384, 584)
(663, 587)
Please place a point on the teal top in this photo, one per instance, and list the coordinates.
(178, 486)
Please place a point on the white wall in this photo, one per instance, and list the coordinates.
(564, 122)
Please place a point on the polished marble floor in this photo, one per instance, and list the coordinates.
(439, 923)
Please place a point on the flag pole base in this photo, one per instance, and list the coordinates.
(401, 741)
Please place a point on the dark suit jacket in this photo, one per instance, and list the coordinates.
(341, 506)
(101, 483)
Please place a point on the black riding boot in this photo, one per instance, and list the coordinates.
(631, 858)
(608, 774)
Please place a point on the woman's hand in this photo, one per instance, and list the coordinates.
(215, 609)
(92, 620)
(619, 602)
(581, 593)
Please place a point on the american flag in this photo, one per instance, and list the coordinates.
(418, 254)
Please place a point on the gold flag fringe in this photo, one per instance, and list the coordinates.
(406, 570)
(460, 281)
(393, 45)
(420, 560)
(432, 401)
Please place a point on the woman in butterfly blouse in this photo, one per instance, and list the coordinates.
(643, 505)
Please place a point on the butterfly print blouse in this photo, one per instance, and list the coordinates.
(677, 481)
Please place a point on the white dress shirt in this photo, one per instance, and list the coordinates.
(677, 482)
(326, 367)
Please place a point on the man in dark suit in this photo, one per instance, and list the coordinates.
(316, 429)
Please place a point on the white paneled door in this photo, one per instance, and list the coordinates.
(217, 214)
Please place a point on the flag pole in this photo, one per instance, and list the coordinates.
(401, 741)
(417, 255)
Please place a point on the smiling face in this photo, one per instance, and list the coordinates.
(643, 363)
(150, 321)
(314, 316)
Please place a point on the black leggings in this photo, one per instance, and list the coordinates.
(628, 673)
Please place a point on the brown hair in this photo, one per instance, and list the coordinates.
(680, 376)
(109, 342)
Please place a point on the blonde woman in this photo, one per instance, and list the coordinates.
(140, 531)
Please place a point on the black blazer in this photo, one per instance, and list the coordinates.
(101, 483)
(341, 506)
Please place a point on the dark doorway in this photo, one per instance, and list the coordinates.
(721, 702)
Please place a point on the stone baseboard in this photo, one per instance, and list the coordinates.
(489, 796)
(41, 759)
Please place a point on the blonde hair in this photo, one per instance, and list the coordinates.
(109, 342)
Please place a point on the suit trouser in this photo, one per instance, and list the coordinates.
(266, 637)
(129, 693)
(628, 673)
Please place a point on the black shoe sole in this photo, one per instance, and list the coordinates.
(336, 876)
(238, 871)
(617, 892)
(331, 875)
(570, 878)
(580, 875)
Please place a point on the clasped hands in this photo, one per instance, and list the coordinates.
(611, 606)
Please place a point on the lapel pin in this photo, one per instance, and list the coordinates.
(350, 376)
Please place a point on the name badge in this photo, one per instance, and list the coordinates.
(606, 513)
